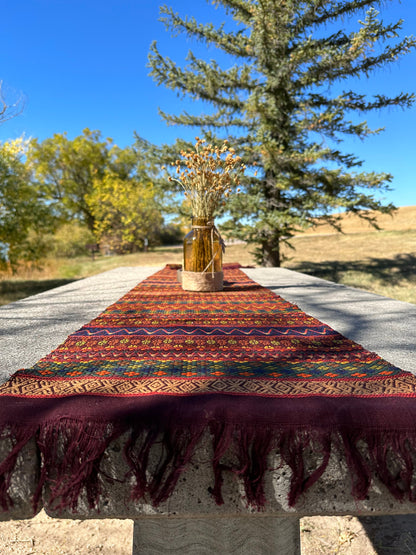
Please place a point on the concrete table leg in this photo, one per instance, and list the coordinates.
(199, 536)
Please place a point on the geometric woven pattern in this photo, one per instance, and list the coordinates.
(28, 387)
(161, 340)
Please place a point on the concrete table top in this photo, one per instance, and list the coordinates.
(32, 327)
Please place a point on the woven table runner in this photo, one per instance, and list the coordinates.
(165, 366)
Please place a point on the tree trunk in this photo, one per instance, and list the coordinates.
(271, 256)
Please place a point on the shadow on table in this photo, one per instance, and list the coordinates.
(390, 271)
(391, 534)
(376, 322)
(14, 290)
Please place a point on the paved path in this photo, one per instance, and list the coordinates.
(32, 327)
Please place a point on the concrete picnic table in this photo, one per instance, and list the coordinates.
(189, 522)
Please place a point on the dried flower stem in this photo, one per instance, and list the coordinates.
(207, 175)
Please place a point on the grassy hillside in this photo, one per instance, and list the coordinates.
(380, 261)
(404, 219)
(383, 262)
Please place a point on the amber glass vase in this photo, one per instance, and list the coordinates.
(202, 254)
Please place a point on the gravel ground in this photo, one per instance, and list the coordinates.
(43, 535)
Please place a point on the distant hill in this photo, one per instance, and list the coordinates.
(404, 219)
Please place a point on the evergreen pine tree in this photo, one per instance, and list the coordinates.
(285, 103)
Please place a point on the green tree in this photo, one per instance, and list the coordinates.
(67, 169)
(127, 216)
(24, 213)
(106, 187)
(286, 101)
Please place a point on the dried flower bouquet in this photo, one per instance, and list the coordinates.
(207, 176)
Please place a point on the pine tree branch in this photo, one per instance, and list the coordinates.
(304, 50)
(332, 122)
(165, 71)
(390, 55)
(327, 11)
(236, 44)
(311, 48)
(351, 101)
(242, 10)
(219, 120)
(234, 78)
(347, 160)
(341, 65)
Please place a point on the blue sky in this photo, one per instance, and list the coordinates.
(82, 63)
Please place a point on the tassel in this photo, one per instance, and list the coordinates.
(19, 437)
(222, 440)
(255, 446)
(71, 455)
(177, 446)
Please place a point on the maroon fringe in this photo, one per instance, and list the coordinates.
(254, 448)
(177, 448)
(71, 453)
(19, 437)
(389, 455)
(222, 439)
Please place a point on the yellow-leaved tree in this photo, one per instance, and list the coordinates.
(127, 215)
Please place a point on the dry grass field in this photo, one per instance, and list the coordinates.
(383, 261)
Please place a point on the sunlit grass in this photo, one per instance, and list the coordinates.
(383, 262)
